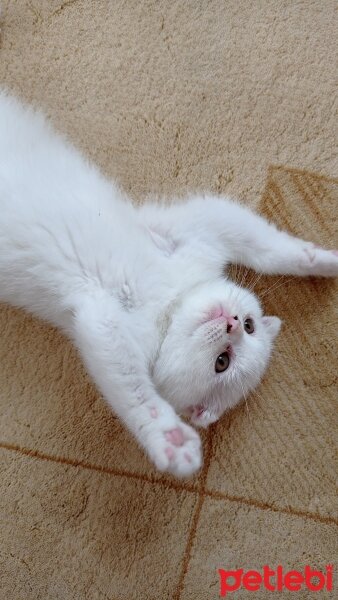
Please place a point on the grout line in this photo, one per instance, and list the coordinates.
(174, 485)
(196, 517)
(291, 512)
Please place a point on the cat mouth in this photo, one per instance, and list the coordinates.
(221, 319)
(198, 410)
(201, 415)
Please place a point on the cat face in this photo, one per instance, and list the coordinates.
(216, 350)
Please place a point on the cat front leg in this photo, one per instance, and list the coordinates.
(235, 234)
(276, 252)
(251, 240)
(118, 368)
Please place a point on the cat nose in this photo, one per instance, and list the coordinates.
(232, 324)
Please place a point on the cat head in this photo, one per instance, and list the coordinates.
(215, 350)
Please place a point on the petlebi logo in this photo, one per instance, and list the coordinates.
(276, 580)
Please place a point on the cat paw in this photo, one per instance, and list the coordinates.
(319, 261)
(175, 447)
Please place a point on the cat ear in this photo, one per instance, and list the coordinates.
(273, 325)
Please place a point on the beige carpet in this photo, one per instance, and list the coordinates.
(235, 97)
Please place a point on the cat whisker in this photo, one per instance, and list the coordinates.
(250, 280)
(246, 401)
(274, 287)
(254, 281)
(244, 276)
(235, 274)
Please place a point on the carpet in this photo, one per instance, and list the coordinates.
(232, 97)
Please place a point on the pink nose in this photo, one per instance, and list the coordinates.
(232, 324)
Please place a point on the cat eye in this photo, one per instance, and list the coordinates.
(249, 325)
(222, 362)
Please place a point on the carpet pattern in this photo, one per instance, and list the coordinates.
(237, 98)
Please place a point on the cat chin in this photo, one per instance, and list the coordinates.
(201, 416)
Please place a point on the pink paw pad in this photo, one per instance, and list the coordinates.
(187, 457)
(335, 252)
(153, 412)
(170, 453)
(175, 436)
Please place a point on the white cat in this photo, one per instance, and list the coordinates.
(140, 290)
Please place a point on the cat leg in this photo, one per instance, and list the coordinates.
(240, 236)
(260, 245)
(118, 367)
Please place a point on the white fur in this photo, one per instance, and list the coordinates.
(137, 288)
